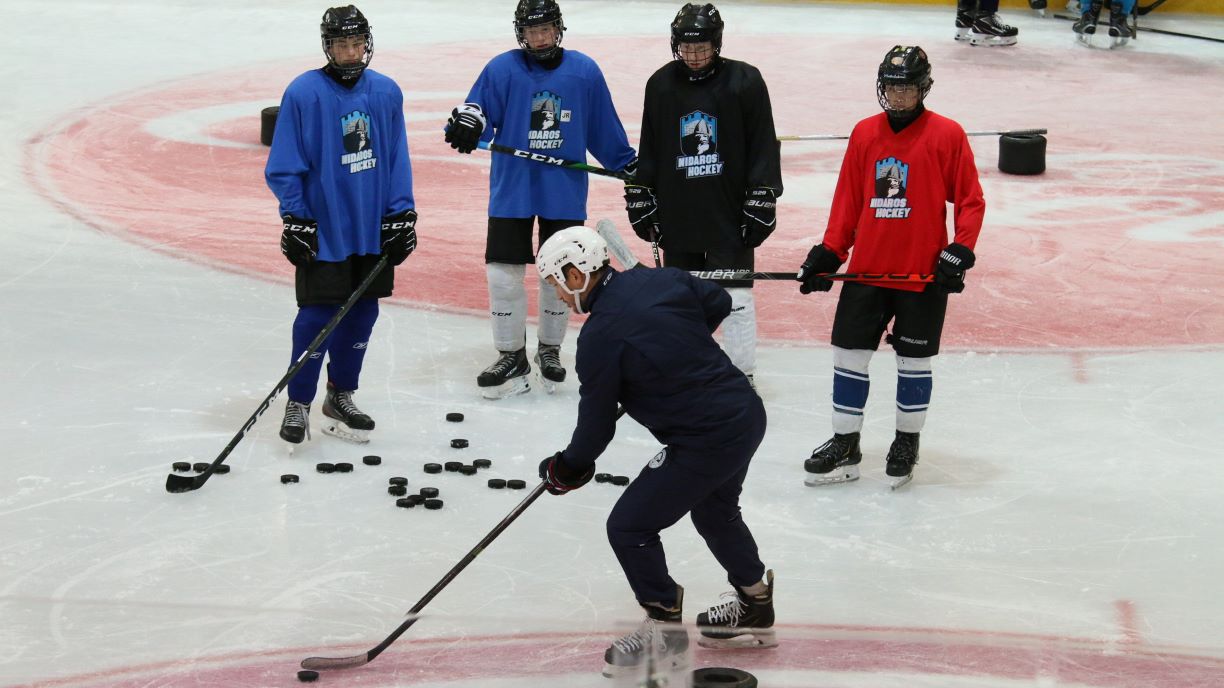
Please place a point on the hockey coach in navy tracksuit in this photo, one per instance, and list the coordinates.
(647, 346)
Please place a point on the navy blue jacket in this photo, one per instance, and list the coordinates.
(647, 345)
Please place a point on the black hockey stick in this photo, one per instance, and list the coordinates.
(1144, 9)
(842, 137)
(317, 663)
(732, 275)
(183, 483)
(1160, 31)
(557, 162)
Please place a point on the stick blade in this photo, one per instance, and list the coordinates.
(182, 483)
(325, 663)
(616, 246)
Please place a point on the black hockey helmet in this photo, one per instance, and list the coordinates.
(537, 13)
(698, 24)
(904, 65)
(345, 22)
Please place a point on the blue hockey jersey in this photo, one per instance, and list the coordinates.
(340, 157)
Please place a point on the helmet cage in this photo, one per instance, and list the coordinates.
(531, 13)
(697, 24)
(904, 66)
(346, 22)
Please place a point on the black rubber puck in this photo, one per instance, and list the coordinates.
(307, 676)
(497, 483)
(721, 677)
(344, 467)
(267, 127)
(621, 480)
(405, 502)
(415, 499)
(1022, 153)
(467, 470)
(453, 466)
(397, 490)
(603, 477)
(516, 484)
(181, 466)
(371, 460)
(433, 468)
(459, 443)
(433, 504)
(482, 463)
(429, 492)
(288, 478)
(325, 468)
(222, 469)
(397, 481)
(454, 417)
(200, 467)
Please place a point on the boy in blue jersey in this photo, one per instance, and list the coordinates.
(339, 168)
(540, 98)
(647, 346)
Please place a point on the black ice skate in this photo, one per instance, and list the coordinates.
(835, 461)
(660, 644)
(989, 31)
(902, 456)
(343, 419)
(964, 18)
(1085, 27)
(741, 620)
(296, 425)
(548, 363)
(1038, 6)
(1119, 32)
(506, 377)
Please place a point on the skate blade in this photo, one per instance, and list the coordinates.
(992, 41)
(680, 662)
(547, 385)
(962, 35)
(843, 474)
(341, 431)
(751, 639)
(510, 388)
(900, 482)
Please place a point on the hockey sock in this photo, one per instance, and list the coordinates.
(1128, 6)
(508, 305)
(914, 383)
(309, 322)
(988, 6)
(347, 348)
(740, 330)
(851, 384)
(554, 316)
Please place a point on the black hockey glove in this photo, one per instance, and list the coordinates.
(820, 261)
(398, 236)
(559, 478)
(463, 129)
(954, 260)
(299, 240)
(760, 216)
(641, 206)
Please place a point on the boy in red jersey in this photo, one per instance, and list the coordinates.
(901, 169)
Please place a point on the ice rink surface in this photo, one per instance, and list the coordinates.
(1063, 528)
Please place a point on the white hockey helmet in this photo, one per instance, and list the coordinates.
(579, 246)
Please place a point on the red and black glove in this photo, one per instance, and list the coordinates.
(559, 478)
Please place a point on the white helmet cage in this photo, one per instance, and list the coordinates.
(578, 246)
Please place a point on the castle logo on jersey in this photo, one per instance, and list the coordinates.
(358, 153)
(891, 181)
(699, 146)
(546, 119)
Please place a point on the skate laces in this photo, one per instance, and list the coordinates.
(344, 402)
(636, 641)
(295, 414)
(507, 361)
(729, 612)
(550, 356)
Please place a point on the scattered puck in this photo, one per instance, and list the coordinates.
(433, 468)
(181, 466)
(405, 502)
(454, 417)
(397, 481)
(433, 504)
(453, 466)
(288, 478)
(267, 127)
(308, 676)
(467, 470)
(429, 492)
(325, 468)
(397, 490)
(222, 469)
(344, 467)
(603, 477)
(200, 467)
(620, 480)
(371, 460)
(459, 443)
(482, 463)
(497, 483)
(721, 677)
(516, 484)
(415, 499)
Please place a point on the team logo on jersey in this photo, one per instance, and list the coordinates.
(658, 459)
(891, 181)
(358, 153)
(699, 146)
(546, 119)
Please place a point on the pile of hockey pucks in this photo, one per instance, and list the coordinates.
(198, 467)
(427, 496)
(325, 468)
(618, 480)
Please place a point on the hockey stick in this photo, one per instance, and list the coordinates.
(550, 160)
(728, 275)
(183, 483)
(840, 137)
(654, 245)
(1160, 31)
(1143, 10)
(317, 663)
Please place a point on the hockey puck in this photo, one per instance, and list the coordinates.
(516, 484)
(429, 492)
(722, 677)
(415, 499)
(181, 466)
(200, 467)
(453, 466)
(433, 504)
(397, 490)
(371, 460)
(397, 481)
(325, 468)
(1022, 153)
(267, 127)
(433, 468)
(307, 676)
(497, 483)
(467, 470)
(603, 477)
(454, 417)
(459, 443)
(619, 480)
(405, 502)
(288, 478)
(222, 469)
(344, 467)
(482, 463)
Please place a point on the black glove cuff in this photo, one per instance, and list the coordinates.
(957, 256)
